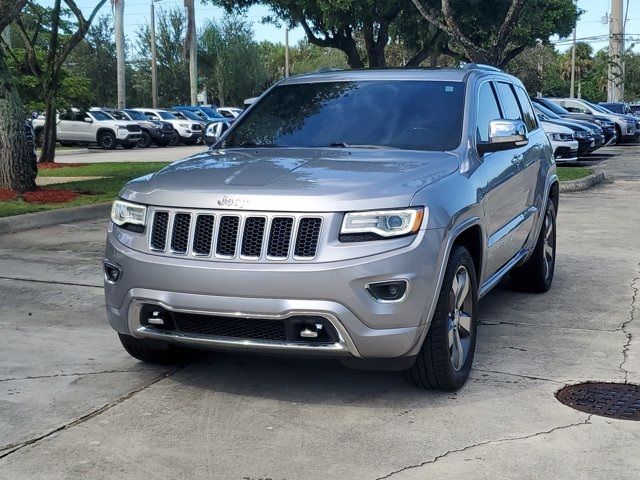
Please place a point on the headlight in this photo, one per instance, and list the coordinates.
(562, 137)
(582, 135)
(599, 122)
(385, 223)
(125, 212)
(184, 125)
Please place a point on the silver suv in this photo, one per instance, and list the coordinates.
(355, 214)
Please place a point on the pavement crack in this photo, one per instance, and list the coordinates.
(491, 323)
(6, 450)
(624, 327)
(528, 377)
(77, 374)
(587, 421)
(50, 282)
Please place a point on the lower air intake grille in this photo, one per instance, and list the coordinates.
(255, 329)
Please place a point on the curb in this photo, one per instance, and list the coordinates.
(583, 183)
(28, 221)
(75, 151)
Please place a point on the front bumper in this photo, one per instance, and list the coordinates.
(332, 290)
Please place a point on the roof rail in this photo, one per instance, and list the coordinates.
(480, 66)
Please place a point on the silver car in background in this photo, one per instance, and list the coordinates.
(358, 215)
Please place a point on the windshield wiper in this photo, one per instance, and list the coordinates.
(255, 145)
(360, 145)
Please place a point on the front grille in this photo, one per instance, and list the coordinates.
(159, 231)
(196, 127)
(167, 128)
(180, 233)
(232, 327)
(280, 237)
(134, 128)
(229, 236)
(253, 236)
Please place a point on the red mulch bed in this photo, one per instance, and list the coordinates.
(49, 195)
(7, 195)
(52, 165)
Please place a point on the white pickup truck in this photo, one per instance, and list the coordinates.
(82, 127)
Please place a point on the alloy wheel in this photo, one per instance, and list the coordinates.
(459, 330)
(549, 244)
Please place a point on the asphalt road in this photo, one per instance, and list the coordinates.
(74, 405)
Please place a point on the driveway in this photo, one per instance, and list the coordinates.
(151, 154)
(74, 405)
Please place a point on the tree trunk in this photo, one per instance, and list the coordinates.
(48, 153)
(17, 172)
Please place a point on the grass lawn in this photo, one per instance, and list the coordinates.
(573, 173)
(92, 191)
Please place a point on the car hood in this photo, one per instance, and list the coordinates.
(575, 125)
(293, 179)
(118, 123)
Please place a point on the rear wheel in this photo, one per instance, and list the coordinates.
(619, 135)
(536, 274)
(446, 356)
(164, 354)
(107, 141)
(145, 140)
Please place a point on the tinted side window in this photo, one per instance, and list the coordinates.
(527, 110)
(575, 107)
(487, 110)
(119, 116)
(508, 101)
(67, 115)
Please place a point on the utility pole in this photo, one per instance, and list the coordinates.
(118, 7)
(154, 64)
(572, 89)
(192, 41)
(615, 81)
(286, 51)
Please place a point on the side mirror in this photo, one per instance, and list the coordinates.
(88, 119)
(504, 135)
(214, 131)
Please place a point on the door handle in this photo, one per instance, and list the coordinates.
(517, 159)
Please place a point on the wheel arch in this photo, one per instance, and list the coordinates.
(471, 239)
(554, 194)
(102, 130)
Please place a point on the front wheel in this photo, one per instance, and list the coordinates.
(107, 141)
(536, 274)
(145, 140)
(446, 356)
(175, 139)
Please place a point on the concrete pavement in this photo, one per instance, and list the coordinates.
(74, 405)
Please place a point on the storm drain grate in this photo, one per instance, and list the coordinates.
(612, 400)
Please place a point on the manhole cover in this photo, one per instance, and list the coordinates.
(613, 400)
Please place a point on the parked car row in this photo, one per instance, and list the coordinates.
(131, 127)
(577, 128)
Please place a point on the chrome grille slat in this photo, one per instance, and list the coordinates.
(231, 235)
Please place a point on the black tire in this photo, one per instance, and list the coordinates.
(145, 140)
(175, 140)
(128, 146)
(107, 141)
(619, 135)
(66, 144)
(536, 274)
(168, 355)
(434, 366)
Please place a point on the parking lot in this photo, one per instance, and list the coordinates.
(73, 404)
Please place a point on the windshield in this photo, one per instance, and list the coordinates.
(210, 112)
(135, 115)
(412, 115)
(554, 107)
(190, 115)
(101, 116)
(167, 115)
(546, 111)
(597, 108)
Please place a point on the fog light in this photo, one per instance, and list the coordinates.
(393, 291)
(112, 272)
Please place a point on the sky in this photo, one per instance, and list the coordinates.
(590, 24)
